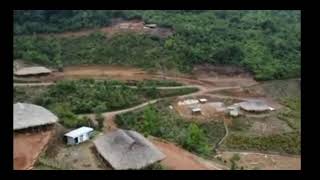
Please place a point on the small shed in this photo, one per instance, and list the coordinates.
(203, 100)
(196, 110)
(234, 112)
(78, 135)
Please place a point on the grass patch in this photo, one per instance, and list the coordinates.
(284, 143)
(240, 124)
(27, 94)
(292, 114)
(46, 163)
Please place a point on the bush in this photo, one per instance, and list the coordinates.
(66, 117)
(196, 140)
(100, 120)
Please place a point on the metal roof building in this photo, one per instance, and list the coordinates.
(79, 135)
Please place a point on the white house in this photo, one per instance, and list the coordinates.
(78, 135)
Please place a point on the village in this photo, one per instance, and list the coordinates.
(156, 90)
(116, 148)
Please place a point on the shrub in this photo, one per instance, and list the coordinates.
(66, 117)
(100, 120)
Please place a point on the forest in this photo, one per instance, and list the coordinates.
(266, 43)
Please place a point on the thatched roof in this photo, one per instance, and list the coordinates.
(32, 71)
(30, 115)
(127, 150)
(254, 106)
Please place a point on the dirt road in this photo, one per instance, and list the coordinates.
(180, 159)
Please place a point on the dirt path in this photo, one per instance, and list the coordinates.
(180, 159)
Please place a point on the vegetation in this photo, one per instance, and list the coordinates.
(27, 94)
(155, 166)
(265, 42)
(240, 124)
(292, 114)
(100, 120)
(49, 164)
(285, 143)
(67, 117)
(88, 96)
(234, 159)
(158, 121)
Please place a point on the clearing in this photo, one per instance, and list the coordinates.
(118, 26)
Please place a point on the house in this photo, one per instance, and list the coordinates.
(196, 110)
(78, 135)
(30, 115)
(126, 149)
(33, 128)
(32, 71)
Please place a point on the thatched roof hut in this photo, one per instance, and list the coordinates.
(30, 115)
(36, 70)
(125, 149)
(257, 106)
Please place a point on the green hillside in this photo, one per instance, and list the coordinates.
(267, 43)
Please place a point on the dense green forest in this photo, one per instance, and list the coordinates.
(267, 43)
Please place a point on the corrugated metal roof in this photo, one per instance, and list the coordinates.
(77, 132)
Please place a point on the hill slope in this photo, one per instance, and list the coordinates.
(266, 43)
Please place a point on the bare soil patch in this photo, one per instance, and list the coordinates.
(178, 158)
(104, 72)
(28, 146)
